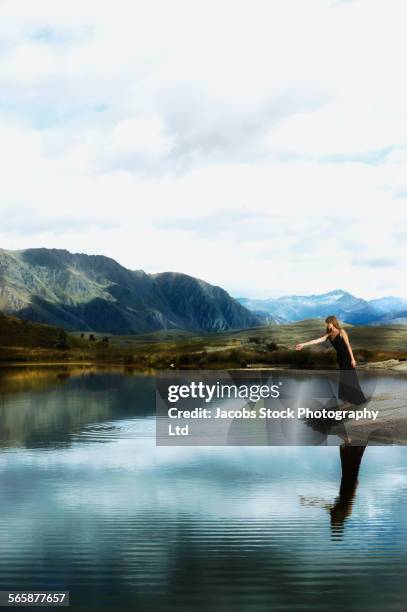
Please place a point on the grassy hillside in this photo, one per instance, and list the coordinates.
(16, 332)
(272, 345)
(256, 347)
(375, 338)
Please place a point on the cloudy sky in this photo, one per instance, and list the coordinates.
(259, 145)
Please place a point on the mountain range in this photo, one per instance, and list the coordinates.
(346, 307)
(95, 293)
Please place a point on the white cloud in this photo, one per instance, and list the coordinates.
(128, 129)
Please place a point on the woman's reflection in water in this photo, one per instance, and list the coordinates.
(341, 509)
(351, 457)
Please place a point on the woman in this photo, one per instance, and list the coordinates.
(349, 389)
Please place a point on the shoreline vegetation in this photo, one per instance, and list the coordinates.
(23, 342)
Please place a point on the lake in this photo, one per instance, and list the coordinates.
(91, 505)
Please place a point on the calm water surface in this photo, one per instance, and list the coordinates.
(89, 504)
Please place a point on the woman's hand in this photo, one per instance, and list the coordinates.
(353, 362)
(298, 347)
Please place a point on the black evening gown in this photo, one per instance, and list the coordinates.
(349, 388)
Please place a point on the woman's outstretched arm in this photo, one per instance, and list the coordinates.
(316, 341)
(346, 339)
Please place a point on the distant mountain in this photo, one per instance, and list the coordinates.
(395, 318)
(95, 293)
(340, 303)
(389, 305)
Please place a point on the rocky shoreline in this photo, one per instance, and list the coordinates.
(393, 364)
